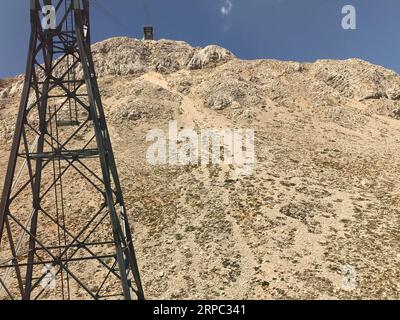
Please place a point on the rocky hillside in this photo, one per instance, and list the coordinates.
(324, 197)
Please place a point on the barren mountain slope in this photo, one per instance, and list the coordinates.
(325, 190)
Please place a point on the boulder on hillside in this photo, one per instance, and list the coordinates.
(210, 56)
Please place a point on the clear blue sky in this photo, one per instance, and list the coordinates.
(301, 30)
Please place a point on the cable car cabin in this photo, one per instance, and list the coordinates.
(148, 33)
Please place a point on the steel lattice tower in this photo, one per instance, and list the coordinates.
(64, 232)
